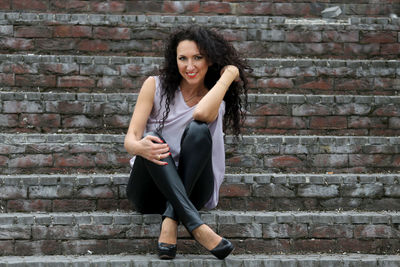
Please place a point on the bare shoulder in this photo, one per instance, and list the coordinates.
(148, 88)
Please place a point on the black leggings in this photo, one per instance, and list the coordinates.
(177, 193)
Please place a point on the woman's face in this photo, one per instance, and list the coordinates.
(192, 64)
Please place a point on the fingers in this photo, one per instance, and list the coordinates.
(159, 157)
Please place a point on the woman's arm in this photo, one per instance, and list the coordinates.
(150, 147)
(207, 109)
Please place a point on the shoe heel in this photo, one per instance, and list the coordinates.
(166, 251)
(223, 249)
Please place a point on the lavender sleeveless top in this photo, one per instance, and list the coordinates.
(179, 116)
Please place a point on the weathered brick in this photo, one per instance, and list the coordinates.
(82, 161)
(13, 192)
(114, 33)
(35, 80)
(30, 5)
(28, 205)
(42, 247)
(331, 231)
(178, 7)
(7, 79)
(329, 122)
(31, 161)
(54, 232)
(318, 191)
(50, 192)
(93, 46)
(375, 231)
(32, 32)
(72, 31)
(75, 81)
(14, 232)
(66, 205)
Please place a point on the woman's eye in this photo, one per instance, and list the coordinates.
(182, 58)
(198, 57)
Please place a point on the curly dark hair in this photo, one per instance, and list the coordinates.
(221, 53)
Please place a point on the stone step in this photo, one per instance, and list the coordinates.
(33, 112)
(305, 260)
(251, 232)
(253, 36)
(120, 74)
(305, 8)
(264, 191)
(88, 153)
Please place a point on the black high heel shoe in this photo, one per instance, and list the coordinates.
(166, 251)
(223, 249)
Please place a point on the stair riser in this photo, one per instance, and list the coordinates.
(267, 114)
(139, 35)
(105, 153)
(64, 193)
(277, 8)
(126, 74)
(268, 233)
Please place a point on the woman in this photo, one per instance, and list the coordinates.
(176, 133)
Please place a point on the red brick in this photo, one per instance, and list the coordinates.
(144, 7)
(68, 205)
(375, 231)
(367, 122)
(319, 84)
(378, 37)
(82, 161)
(65, 107)
(177, 7)
(5, 5)
(113, 33)
(23, 68)
(72, 31)
(331, 231)
(310, 110)
(112, 159)
(313, 245)
(376, 160)
(390, 49)
(353, 85)
(359, 246)
(6, 247)
(59, 68)
(81, 121)
(389, 110)
(108, 7)
(17, 44)
(32, 32)
(36, 5)
(56, 44)
(3, 161)
(292, 9)
(283, 161)
(35, 80)
(8, 120)
(29, 205)
(216, 7)
(303, 37)
(96, 192)
(336, 36)
(255, 122)
(364, 50)
(256, 8)
(40, 120)
(43, 247)
(71, 5)
(108, 204)
(285, 231)
(328, 122)
(81, 247)
(6, 79)
(93, 46)
(75, 81)
(280, 83)
(235, 190)
(271, 109)
(286, 122)
(54, 232)
(117, 121)
(394, 123)
(328, 160)
(30, 161)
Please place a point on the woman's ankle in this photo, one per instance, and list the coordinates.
(169, 231)
(206, 236)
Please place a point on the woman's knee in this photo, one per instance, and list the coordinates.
(198, 131)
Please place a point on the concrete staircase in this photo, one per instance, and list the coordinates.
(313, 181)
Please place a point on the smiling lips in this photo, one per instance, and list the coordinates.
(191, 74)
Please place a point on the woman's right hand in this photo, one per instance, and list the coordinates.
(153, 149)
